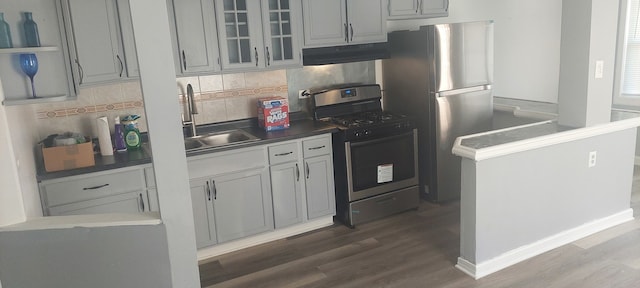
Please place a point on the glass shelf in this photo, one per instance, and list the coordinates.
(28, 50)
(39, 100)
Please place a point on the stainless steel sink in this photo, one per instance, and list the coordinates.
(218, 139)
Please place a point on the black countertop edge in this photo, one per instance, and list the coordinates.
(301, 126)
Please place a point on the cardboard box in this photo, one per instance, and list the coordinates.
(68, 157)
(273, 113)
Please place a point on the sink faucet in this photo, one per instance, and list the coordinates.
(191, 110)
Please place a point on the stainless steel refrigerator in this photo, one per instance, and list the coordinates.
(441, 76)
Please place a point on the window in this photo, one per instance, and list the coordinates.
(629, 91)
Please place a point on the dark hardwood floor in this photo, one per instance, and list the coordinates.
(419, 249)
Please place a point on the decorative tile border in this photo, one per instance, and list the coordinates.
(76, 111)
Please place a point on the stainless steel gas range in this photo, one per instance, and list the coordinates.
(375, 154)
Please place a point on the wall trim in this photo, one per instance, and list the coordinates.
(216, 250)
(538, 142)
(522, 253)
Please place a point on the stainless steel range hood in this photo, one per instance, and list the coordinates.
(345, 54)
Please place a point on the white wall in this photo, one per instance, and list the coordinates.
(527, 43)
(11, 207)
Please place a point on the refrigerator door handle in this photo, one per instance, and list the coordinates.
(463, 90)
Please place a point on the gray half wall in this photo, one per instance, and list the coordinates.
(106, 257)
(521, 198)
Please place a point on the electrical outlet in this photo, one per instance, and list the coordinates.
(599, 69)
(303, 94)
(592, 159)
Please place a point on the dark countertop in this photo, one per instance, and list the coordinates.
(524, 132)
(300, 127)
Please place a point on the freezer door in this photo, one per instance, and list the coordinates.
(462, 54)
(458, 113)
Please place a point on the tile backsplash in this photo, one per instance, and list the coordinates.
(218, 98)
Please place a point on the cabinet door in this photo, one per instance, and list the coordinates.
(128, 42)
(404, 8)
(96, 41)
(131, 202)
(319, 186)
(242, 204)
(286, 191)
(435, 8)
(280, 30)
(325, 22)
(203, 217)
(240, 32)
(367, 21)
(195, 29)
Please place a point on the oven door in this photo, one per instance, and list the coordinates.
(381, 165)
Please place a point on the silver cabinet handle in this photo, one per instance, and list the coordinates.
(268, 57)
(346, 33)
(208, 191)
(316, 148)
(297, 173)
(80, 71)
(215, 190)
(184, 61)
(284, 154)
(141, 202)
(447, 9)
(256, 52)
(351, 27)
(96, 187)
(307, 169)
(121, 65)
(417, 6)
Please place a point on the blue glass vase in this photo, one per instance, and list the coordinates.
(29, 64)
(5, 33)
(31, 31)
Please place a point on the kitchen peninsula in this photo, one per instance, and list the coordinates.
(510, 214)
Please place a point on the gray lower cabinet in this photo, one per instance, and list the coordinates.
(231, 195)
(116, 191)
(302, 183)
(319, 185)
(406, 9)
(94, 39)
(203, 218)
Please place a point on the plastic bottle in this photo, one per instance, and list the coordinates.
(118, 136)
(5, 33)
(31, 31)
(131, 132)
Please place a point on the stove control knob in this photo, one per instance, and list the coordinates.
(398, 125)
(357, 134)
(367, 132)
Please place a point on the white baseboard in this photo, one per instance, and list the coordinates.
(514, 256)
(282, 233)
(637, 160)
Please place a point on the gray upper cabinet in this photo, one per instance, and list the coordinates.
(343, 22)
(196, 36)
(257, 34)
(129, 45)
(406, 9)
(97, 53)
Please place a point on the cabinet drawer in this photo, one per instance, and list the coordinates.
(317, 146)
(93, 187)
(283, 153)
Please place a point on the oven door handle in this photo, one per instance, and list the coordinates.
(363, 143)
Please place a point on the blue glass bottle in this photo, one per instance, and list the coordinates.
(5, 33)
(31, 31)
